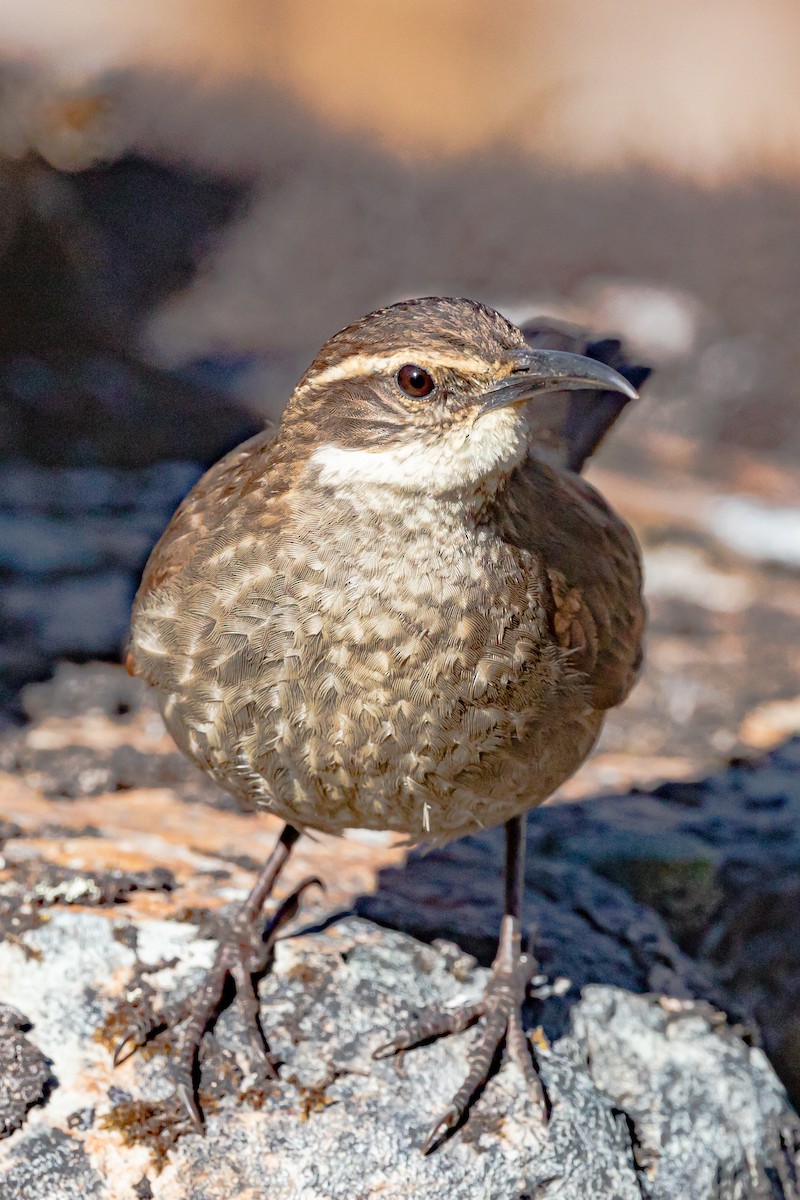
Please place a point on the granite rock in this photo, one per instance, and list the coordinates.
(118, 874)
(649, 1096)
(25, 1077)
(716, 858)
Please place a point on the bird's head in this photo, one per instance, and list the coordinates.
(433, 395)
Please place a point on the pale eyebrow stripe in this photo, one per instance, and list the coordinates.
(358, 366)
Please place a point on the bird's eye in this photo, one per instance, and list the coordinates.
(415, 381)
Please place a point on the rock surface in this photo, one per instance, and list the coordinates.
(25, 1077)
(650, 911)
(649, 1096)
(717, 859)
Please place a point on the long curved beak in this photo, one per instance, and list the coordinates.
(535, 371)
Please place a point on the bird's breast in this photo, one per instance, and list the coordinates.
(360, 670)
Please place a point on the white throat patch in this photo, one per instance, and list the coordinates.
(440, 462)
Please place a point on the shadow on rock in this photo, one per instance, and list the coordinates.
(689, 890)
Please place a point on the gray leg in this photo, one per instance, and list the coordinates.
(499, 1008)
(244, 955)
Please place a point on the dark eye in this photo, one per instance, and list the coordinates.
(415, 381)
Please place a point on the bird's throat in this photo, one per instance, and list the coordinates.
(467, 463)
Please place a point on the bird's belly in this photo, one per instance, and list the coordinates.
(359, 687)
(410, 753)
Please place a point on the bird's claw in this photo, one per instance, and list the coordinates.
(242, 958)
(141, 1030)
(499, 1011)
(125, 1047)
(441, 1128)
(185, 1095)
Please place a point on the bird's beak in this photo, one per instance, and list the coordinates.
(535, 371)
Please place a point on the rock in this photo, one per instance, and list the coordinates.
(72, 545)
(770, 723)
(112, 889)
(86, 689)
(73, 771)
(25, 1077)
(689, 889)
(48, 546)
(644, 908)
(583, 927)
(55, 1166)
(44, 887)
(649, 1096)
(765, 532)
(717, 859)
(702, 1109)
(79, 492)
(84, 615)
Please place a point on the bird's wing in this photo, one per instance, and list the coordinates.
(214, 493)
(211, 497)
(588, 564)
(589, 556)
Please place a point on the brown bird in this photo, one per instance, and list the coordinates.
(402, 612)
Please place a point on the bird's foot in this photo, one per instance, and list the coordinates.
(241, 958)
(499, 1010)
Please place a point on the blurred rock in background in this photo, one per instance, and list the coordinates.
(195, 197)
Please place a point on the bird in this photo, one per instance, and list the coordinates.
(406, 611)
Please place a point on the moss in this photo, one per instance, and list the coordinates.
(157, 1126)
(303, 972)
(121, 1019)
(685, 891)
(312, 1099)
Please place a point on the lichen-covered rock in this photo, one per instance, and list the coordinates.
(118, 869)
(649, 1096)
(717, 859)
(55, 1165)
(24, 1071)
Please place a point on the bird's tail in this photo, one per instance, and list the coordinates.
(588, 414)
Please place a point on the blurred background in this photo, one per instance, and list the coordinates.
(194, 194)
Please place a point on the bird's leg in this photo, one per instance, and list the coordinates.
(499, 1008)
(242, 957)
